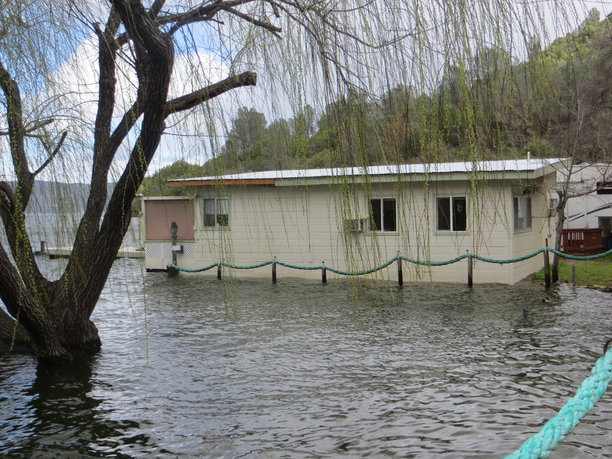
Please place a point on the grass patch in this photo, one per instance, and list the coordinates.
(588, 273)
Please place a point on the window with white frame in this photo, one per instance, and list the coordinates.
(383, 216)
(521, 206)
(451, 213)
(216, 212)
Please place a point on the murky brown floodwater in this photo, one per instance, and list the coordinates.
(194, 367)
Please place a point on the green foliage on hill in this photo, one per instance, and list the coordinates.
(557, 102)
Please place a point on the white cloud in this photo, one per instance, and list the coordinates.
(71, 99)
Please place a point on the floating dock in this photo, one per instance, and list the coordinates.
(64, 252)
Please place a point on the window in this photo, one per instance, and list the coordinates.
(216, 211)
(383, 215)
(604, 187)
(522, 212)
(451, 214)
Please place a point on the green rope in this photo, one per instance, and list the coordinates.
(555, 430)
(435, 263)
(579, 257)
(361, 273)
(197, 270)
(410, 260)
(258, 265)
(305, 268)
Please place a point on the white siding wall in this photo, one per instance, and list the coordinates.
(585, 211)
(527, 241)
(304, 226)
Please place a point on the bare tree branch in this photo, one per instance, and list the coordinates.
(33, 127)
(91, 259)
(15, 202)
(156, 8)
(16, 134)
(198, 97)
(107, 54)
(52, 155)
(102, 155)
(7, 202)
(312, 29)
(201, 13)
(266, 25)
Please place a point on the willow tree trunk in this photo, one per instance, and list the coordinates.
(53, 318)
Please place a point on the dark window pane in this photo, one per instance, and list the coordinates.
(459, 214)
(604, 187)
(515, 208)
(389, 220)
(375, 220)
(527, 212)
(443, 214)
(209, 212)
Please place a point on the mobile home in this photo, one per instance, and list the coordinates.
(357, 218)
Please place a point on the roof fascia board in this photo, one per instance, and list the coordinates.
(432, 177)
(222, 182)
(168, 198)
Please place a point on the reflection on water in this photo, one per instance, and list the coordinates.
(194, 367)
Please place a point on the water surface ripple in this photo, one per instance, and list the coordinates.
(193, 367)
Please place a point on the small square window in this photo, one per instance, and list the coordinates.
(521, 206)
(451, 213)
(383, 215)
(216, 212)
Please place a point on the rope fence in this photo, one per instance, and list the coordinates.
(394, 259)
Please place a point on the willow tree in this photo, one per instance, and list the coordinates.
(313, 47)
(53, 317)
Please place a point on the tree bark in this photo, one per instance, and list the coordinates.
(53, 318)
(559, 234)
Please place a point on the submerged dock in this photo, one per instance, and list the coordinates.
(64, 252)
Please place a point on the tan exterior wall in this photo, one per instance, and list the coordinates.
(304, 226)
(543, 226)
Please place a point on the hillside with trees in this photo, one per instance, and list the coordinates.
(555, 102)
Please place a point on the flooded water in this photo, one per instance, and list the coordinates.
(194, 367)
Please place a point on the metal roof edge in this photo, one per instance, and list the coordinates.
(523, 168)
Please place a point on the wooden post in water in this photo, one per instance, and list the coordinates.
(274, 271)
(219, 271)
(400, 274)
(546, 267)
(470, 270)
(323, 273)
(172, 271)
(43, 247)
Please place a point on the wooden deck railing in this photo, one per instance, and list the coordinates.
(582, 240)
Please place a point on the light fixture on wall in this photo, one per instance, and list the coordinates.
(173, 232)
(174, 235)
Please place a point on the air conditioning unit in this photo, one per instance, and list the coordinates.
(354, 225)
